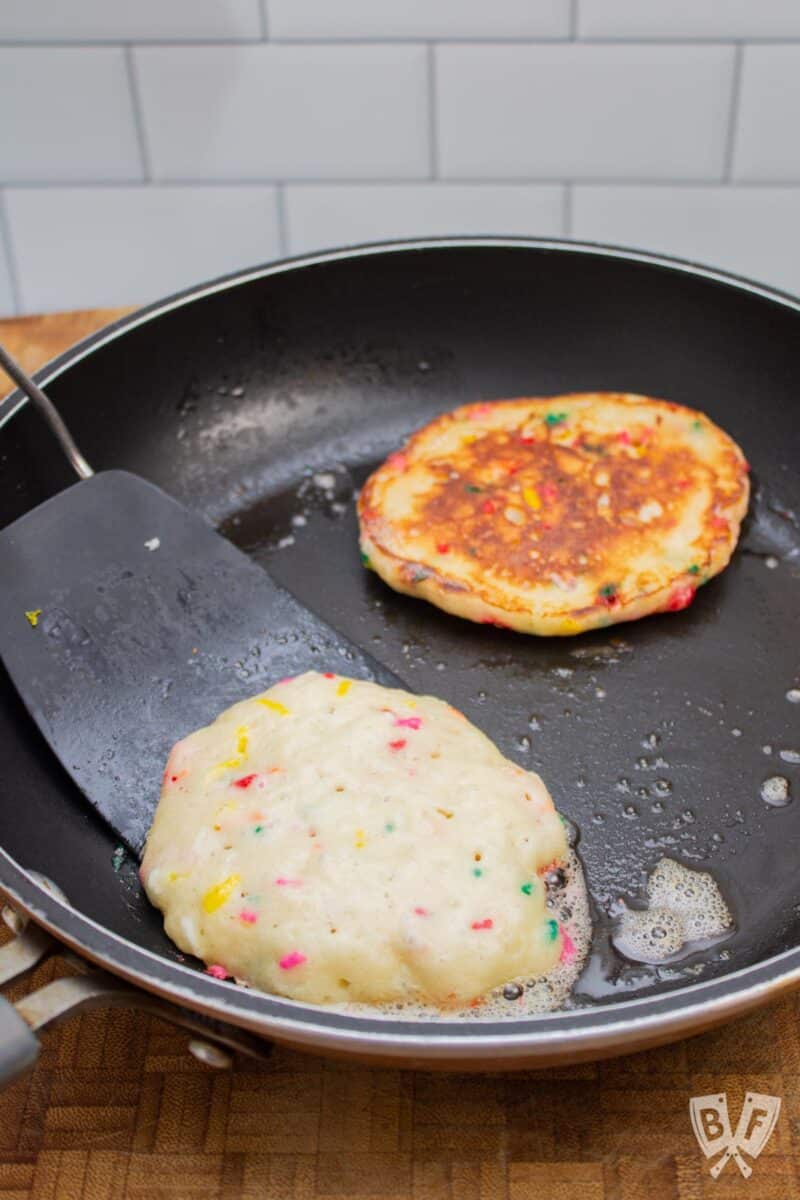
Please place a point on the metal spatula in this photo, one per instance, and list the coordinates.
(126, 622)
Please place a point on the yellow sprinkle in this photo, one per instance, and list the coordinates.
(229, 764)
(344, 687)
(275, 706)
(241, 745)
(174, 875)
(32, 617)
(411, 704)
(568, 625)
(532, 498)
(469, 438)
(220, 893)
(445, 812)
(360, 839)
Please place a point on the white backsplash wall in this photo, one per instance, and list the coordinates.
(147, 146)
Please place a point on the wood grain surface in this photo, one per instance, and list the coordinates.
(118, 1110)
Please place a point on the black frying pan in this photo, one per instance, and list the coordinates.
(241, 397)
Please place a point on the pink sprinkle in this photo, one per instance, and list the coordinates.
(409, 722)
(217, 971)
(398, 745)
(568, 950)
(719, 523)
(281, 881)
(624, 437)
(286, 679)
(398, 460)
(295, 959)
(548, 491)
(248, 916)
(479, 410)
(244, 782)
(421, 912)
(494, 621)
(488, 923)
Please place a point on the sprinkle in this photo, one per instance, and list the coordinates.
(532, 498)
(442, 548)
(397, 460)
(409, 722)
(389, 827)
(344, 687)
(697, 424)
(477, 872)
(295, 959)
(624, 437)
(548, 491)
(568, 949)
(681, 598)
(241, 744)
(258, 829)
(248, 916)
(364, 558)
(32, 616)
(526, 888)
(398, 745)
(446, 813)
(228, 764)
(217, 971)
(275, 706)
(487, 923)
(281, 881)
(328, 675)
(479, 410)
(470, 487)
(552, 930)
(719, 523)
(693, 569)
(421, 912)
(488, 507)
(512, 468)
(174, 876)
(555, 418)
(220, 893)
(361, 841)
(608, 594)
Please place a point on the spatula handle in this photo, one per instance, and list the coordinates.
(19, 1046)
(49, 411)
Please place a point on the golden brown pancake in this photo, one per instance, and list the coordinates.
(557, 515)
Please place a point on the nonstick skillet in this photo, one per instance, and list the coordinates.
(263, 401)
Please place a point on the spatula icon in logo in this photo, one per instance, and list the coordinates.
(712, 1128)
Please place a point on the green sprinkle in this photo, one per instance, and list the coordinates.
(555, 418)
(258, 829)
(694, 569)
(470, 487)
(389, 827)
(364, 559)
(118, 858)
(610, 589)
(526, 889)
(697, 424)
(552, 930)
(477, 872)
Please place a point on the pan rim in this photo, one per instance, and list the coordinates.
(586, 1030)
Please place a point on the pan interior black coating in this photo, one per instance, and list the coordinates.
(265, 405)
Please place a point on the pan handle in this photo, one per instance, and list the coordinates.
(213, 1042)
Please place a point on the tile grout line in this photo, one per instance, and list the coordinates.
(484, 181)
(263, 16)
(733, 115)
(336, 43)
(138, 118)
(11, 258)
(433, 112)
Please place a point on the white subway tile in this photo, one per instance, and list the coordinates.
(91, 247)
(578, 111)
(336, 215)
(767, 143)
(7, 305)
(143, 20)
(417, 18)
(260, 112)
(66, 114)
(689, 18)
(749, 230)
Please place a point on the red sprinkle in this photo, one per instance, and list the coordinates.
(624, 437)
(409, 722)
(746, 467)
(248, 916)
(548, 491)
(527, 439)
(217, 971)
(398, 745)
(421, 912)
(295, 959)
(681, 598)
(488, 923)
(398, 459)
(245, 781)
(719, 523)
(281, 881)
(442, 548)
(488, 507)
(512, 470)
(328, 675)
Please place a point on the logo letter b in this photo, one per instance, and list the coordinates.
(712, 1126)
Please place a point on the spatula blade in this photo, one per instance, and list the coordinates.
(150, 625)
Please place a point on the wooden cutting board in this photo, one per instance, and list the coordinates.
(118, 1110)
